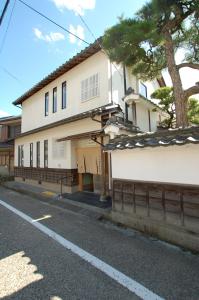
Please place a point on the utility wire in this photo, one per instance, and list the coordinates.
(104, 50)
(55, 23)
(10, 74)
(86, 25)
(2, 45)
(5, 35)
(4, 11)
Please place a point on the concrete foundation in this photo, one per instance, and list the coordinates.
(176, 235)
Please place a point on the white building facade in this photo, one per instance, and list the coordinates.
(63, 118)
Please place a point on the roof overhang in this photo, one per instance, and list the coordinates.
(90, 135)
(10, 120)
(175, 137)
(71, 63)
(103, 110)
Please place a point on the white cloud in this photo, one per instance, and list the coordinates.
(51, 37)
(79, 31)
(3, 114)
(78, 6)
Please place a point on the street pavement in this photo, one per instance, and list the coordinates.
(34, 266)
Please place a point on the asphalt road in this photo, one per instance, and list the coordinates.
(34, 266)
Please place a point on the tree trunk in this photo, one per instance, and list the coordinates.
(179, 95)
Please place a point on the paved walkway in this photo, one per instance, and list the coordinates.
(41, 268)
(87, 203)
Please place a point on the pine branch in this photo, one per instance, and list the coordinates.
(192, 91)
(189, 65)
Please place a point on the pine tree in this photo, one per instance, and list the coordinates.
(148, 43)
(165, 96)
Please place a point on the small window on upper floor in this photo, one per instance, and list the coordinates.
(90, 87)
(143, 89)
(64, 96)
(54, 100)
(46, 104)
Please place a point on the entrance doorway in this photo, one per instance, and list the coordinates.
(87, 182)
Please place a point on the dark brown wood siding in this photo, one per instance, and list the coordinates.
(48, 175)
(173, 203)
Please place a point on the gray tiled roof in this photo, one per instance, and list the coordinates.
(159, 139)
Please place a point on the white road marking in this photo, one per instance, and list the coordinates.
(113, 273)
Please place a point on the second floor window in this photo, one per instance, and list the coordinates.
(31, 154)
(54, 100)
(63, 95)
(20, 156)
(90, 87)
(46, 154)
(143, 90)
(38, 154)
(46, 104)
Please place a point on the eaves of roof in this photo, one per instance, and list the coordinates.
(71, 63)
(9, 119)
(88, 114)
(166, 138)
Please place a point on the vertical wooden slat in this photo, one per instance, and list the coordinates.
(147, 202)
(134, 202)
(182, 208)
(163, 204)
(113, 195)
(122, 196)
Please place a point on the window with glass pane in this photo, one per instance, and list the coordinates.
(45, 153)
(20, 156)
(38, 154)
(54, 100)
(31, 154)
(143, 89)
(64, 95)
(46, 103)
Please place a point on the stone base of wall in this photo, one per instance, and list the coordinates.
(49, 186)
(170, 233)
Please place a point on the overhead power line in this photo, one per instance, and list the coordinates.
(4, 11)
(10, 74)
(5, 35)
(52, 21)
(104, 50)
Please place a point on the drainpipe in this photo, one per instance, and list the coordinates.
(125, 89)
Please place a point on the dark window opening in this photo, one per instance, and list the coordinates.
(31, 154)
(46, 104)
(46, 154)
(38, 154)
(64, 95)
(54, 100)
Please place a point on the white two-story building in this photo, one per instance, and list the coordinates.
(63, 118)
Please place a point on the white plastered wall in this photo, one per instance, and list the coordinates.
(33, 108)
(69, 159)
(173, 164)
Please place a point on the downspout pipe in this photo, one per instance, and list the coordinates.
(125, 90)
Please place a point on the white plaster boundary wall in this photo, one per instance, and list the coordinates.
(172, 164)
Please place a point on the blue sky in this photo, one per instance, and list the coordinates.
(34, 47)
